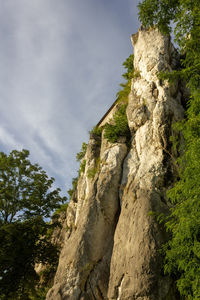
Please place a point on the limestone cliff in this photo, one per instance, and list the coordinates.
(111, 246)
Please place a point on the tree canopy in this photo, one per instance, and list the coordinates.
(182, 252)
(26, 200)
(183, 18)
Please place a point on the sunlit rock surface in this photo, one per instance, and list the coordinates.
(111, 244)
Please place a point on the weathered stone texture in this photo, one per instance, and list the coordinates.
(83, 269)
(111, 248)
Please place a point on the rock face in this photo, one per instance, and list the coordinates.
(111, 247)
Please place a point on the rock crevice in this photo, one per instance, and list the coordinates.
(111, 248)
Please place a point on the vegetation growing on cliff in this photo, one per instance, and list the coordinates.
(61, 209)
(81, 154)
(183, 250)
(97, 131)
(74, 185)
(82, 167)
(119, 127)
(122, 94)
(92, 171)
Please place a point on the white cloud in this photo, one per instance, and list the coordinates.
(8, 139)
(60, 65)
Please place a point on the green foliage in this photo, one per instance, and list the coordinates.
(82, 167)
(122, 95)
(120, 126)
(81, 154)
(185, 15)
(79, 157)
(40, 293)
(62, 208)
(26, 199)
(22, 245)
(182, 252)
(25, 189)
(74, 185)
(96, 131)
(92, 172)
(158, 12)
(128, 65)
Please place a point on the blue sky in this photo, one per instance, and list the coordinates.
(60, 69)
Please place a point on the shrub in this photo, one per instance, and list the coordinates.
(74, 185)
(96, 131)
(82, 167)
(81, 154)
(122, 95)
(136, 74)
(91, 172)
(128, 64)
(120, 126)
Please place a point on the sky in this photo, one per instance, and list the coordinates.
(60, 69)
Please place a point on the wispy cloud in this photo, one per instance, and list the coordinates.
(8, 139)
(60, 66)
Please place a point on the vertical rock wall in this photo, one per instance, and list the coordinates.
(135, 270)
(111, 245)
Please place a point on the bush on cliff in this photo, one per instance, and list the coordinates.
(119, 127)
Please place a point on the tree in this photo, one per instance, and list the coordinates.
(182, 252)
(26, 200)
(185, 16)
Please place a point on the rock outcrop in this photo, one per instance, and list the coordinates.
(111, 246)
